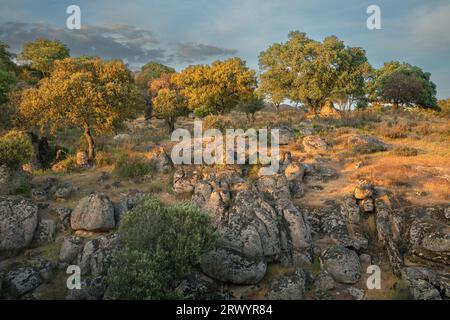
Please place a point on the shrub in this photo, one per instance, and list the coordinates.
(15, 149)
(103, 158)
(161, 244)
(131, 167)
(67, 165)
(406, 152)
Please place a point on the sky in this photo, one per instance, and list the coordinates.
(183, 32)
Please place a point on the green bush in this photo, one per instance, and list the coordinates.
(15, 149)
(161, 244)
(130, 167)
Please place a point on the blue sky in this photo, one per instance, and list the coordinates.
(183, 32)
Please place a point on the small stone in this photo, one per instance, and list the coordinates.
(367, 205)
(365, 259)
(363, 190)
(447, 213)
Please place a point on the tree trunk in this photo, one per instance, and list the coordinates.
(171, 124)
(90, 142)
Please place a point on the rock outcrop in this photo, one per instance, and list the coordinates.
(18, 223)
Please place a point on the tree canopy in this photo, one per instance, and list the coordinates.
(42, 53)
(89, 93)
(310, 72)
(403, 84)
(216, 88)
(151, 71)
(169, 104)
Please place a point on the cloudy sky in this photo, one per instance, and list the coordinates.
(183, 32)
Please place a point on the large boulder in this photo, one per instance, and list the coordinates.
(426, 284)
(70, 248)
(342, 263)
(93, 213)
(314, 144)
(232, 267)
(45, 232)
(18, 222)
(365, 143)
(96, 256)
(430, 239)
(21, 281)
(290, 287)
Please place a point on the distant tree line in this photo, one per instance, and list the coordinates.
(44, 88)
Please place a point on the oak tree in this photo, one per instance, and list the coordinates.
(217, 88)
(89, 93)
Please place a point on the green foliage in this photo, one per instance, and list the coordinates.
(131, 167)
(42, 53)
(169, 105)
(161, 244)
(6, 62)
(151, 71)
(251, 107)
(91, 94)
(218, 88)
(7, 81)
(403, 84)
(15, 149)
(310, 72)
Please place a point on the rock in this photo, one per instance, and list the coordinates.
(45, 232)
(288, 287)
(447, 213)
(63, 192)
(305, 128)
(286, 134)
(230, 267)
(314, 144)
(365, 144)
(388, 233)
(198, 287)
(91, 289)
(350, 210)
(294, 174)
(97, 254)
(363, 190)
(367, 205)
(324, 282)
(184, 180)
(45, 269)
(365, 259)
(82, 159)
(425, 284)
(38, 195)
(21, 281)
(128, 202)
(160, 159)
(430, 239)
(93, 213)
(336, 221)
(343, 264)
(64, 216)
(70, 248)
(356, 293)
(18, 222)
